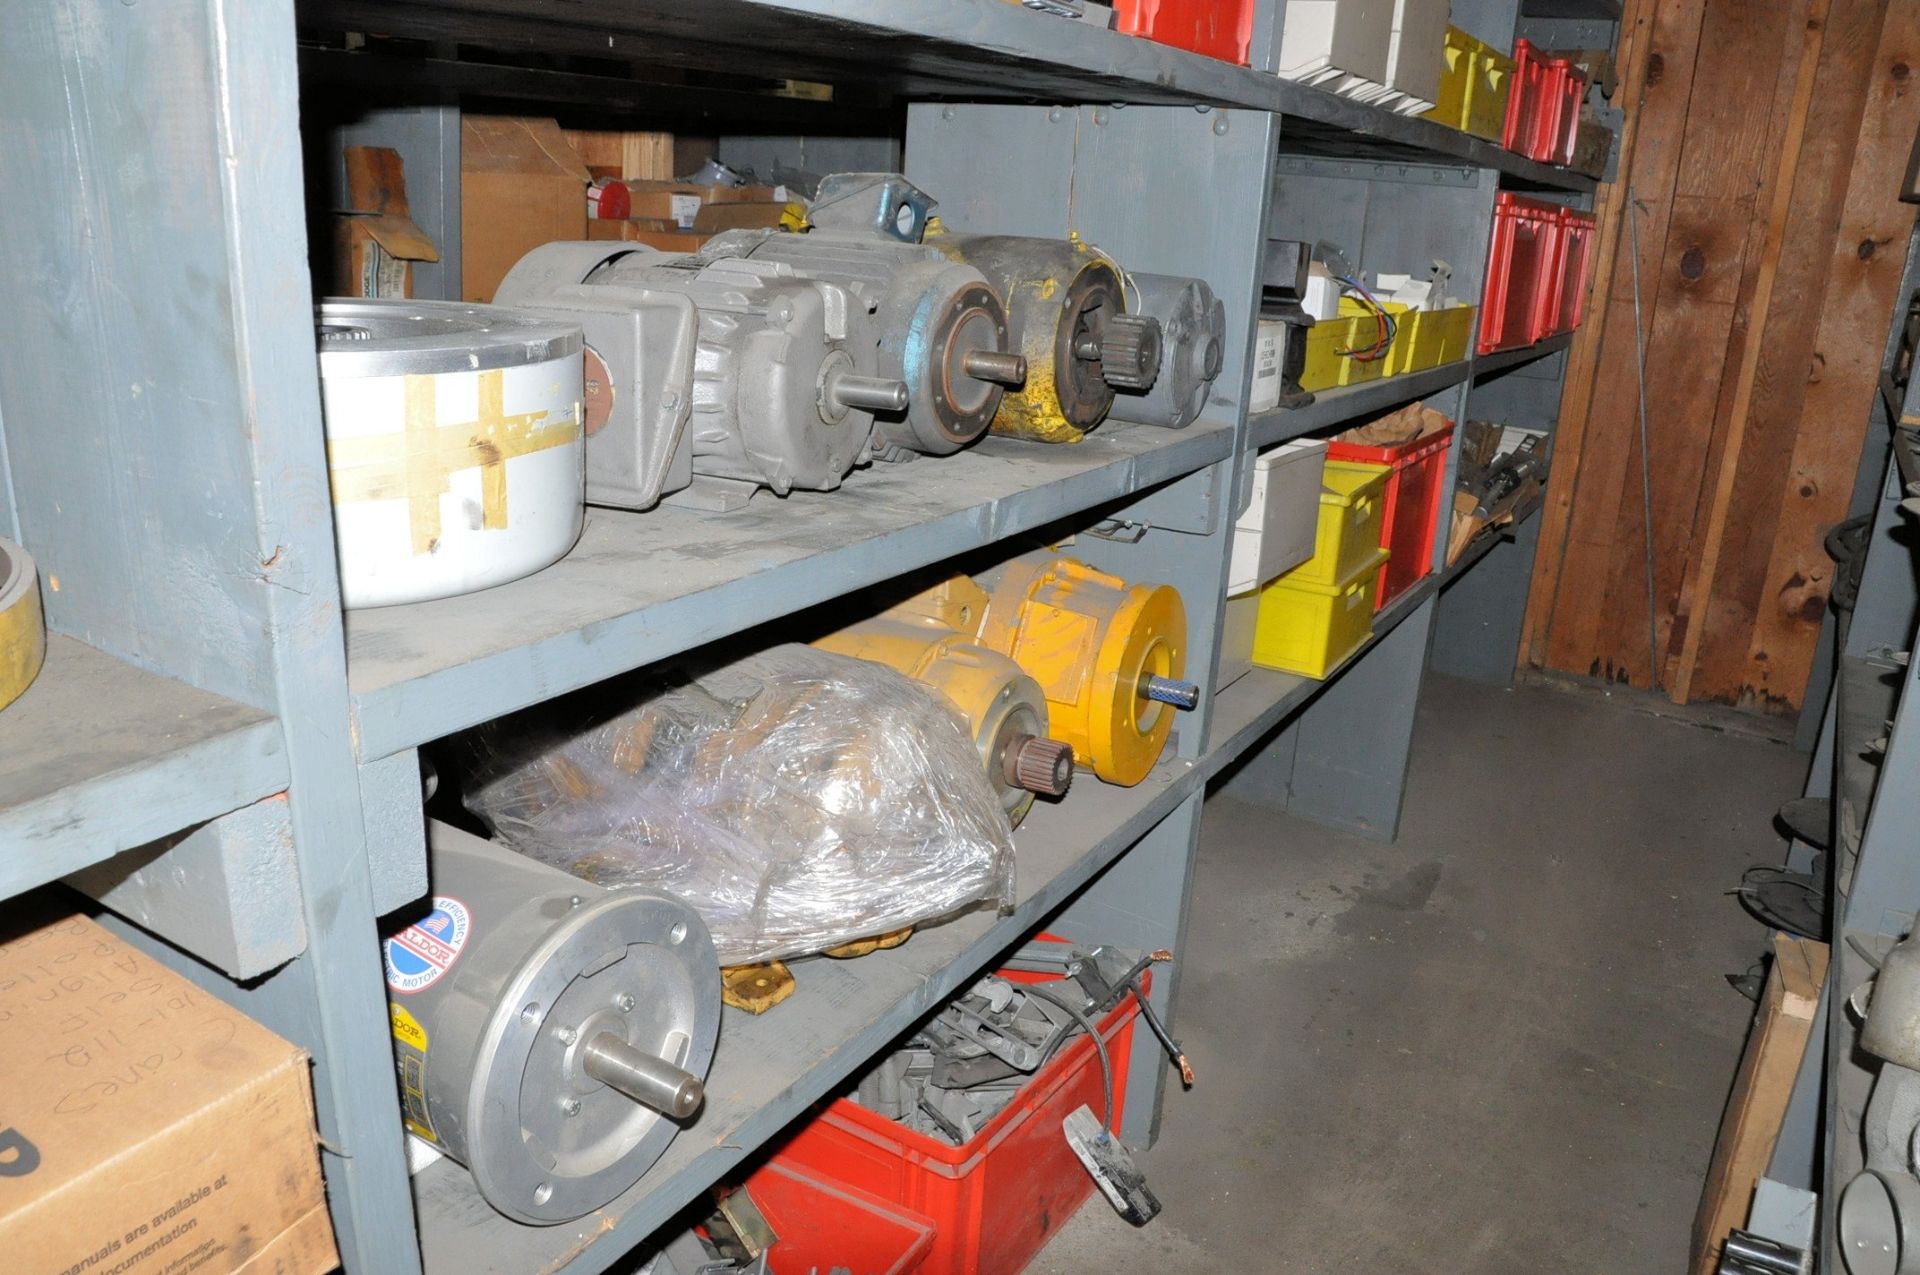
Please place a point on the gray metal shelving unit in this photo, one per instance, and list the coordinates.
(208, 712)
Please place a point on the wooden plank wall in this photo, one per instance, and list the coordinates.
(1766, 144)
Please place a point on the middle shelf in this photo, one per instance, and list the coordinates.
(640, 587)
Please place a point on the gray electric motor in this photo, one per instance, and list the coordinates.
(731, 369)
(935, 323)
(550, 1035)
(1193, 335)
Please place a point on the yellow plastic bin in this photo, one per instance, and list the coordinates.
(1432, 337)
(1310, 628)
(1353, 502)
(1474, 87)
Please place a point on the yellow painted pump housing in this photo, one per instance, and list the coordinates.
(1004, 708)
(1110, 656)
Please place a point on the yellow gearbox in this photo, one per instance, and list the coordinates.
(1004, 708)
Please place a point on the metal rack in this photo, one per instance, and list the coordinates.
(210, 709)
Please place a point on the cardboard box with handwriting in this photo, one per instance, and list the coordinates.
(146, 1127)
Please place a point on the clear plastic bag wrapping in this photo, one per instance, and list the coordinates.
(799, 800)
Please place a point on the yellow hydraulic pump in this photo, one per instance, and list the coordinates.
(1067, 315)
(1002, 705)
(1110, 656)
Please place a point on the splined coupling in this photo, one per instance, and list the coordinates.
(1130, 351)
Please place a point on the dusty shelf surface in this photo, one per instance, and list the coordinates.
(99, 756)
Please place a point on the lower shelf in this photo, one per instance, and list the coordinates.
(770, 1068)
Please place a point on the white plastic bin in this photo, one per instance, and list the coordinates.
(1325, 42)
(1276, 532)
(1417, 54)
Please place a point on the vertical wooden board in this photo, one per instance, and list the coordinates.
(1563, 480)
(1862, 267)
(1700, 280)
(1612, 419)
(1782, 1026)
(1750, 54)
(1793, 47)
(1761, 399)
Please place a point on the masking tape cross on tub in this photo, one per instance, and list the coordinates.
(417, 463)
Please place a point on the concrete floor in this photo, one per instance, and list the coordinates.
(1499, 1045)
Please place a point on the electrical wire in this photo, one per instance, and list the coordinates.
(1099, 1046)
(1387, 324)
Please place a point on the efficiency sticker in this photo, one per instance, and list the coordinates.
(418, 955)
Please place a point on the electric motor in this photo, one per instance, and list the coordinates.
(1111, 657)
(550, 1035)
(936, 324)
(453, 445)
(1193, 329)
(780, 390)
(639, 367)
(1004, 709)
(1068, 314)
(783, 393)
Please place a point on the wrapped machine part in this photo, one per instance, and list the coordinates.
(1003, 707)
(796, 798)
(453, 445)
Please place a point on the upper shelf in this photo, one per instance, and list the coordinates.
(640, 587)
(99, 757)
(961, 49)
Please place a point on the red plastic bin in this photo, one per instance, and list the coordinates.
(1516, 305)
(1573, 257)
(823, 1224)
(1411, 517)
(1543, 106)
(996, 1201)
(1219, 30)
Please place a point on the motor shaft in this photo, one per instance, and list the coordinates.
(648, 1080)
(1180, 694)
(995, 365)
(874, 393)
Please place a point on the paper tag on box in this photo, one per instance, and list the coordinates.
(684, 209)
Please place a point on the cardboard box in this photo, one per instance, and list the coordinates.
(146, 1127)
(521, 185)
(706, 210)
(375, 239)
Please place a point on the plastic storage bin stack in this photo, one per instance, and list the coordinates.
(1317, 615)
(1543, 109)
(1416, 56)
(1425, 338)
(992, 1203)
(1475, 85)
(1274, 534)
(1410, 505)
(1538, 269)
(1223, 30)
(1515, 306)
(1573, 268)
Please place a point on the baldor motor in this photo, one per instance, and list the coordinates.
(551, 1035)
